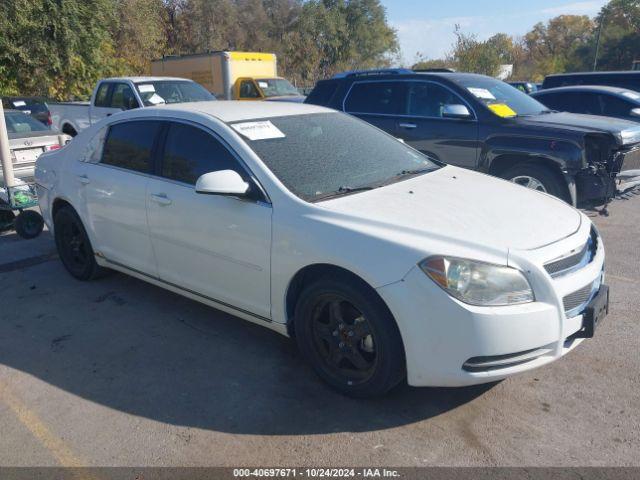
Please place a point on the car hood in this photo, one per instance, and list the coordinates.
(457, 205)
(625, 131)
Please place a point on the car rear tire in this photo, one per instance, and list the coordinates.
(346, 332)
(540, 178)
(74, 247)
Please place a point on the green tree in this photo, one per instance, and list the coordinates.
(55, 48)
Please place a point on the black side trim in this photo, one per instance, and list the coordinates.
(224, 304)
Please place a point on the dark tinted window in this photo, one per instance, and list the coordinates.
(574, 102)
(429, 99)
(322, 93)
(376, 97)
(102, 95)
(616, 107)
(190, 152)
(32, 105)
(123, 97)
(129, 145)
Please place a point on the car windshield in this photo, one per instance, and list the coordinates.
(276, 87)
(168, 91)
(325, 155)
(20, 124)
(500, 97)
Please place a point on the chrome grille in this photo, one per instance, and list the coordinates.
(574, 261)
(577, 298)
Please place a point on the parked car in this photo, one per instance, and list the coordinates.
(526, 87)
(629, 80)
(379, 261)
(113, 95)
(232, 75)
(36, 107)
(28, 139)
(592, 100)
(484, 124)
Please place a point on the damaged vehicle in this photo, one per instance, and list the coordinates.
(381, 263)
(480, 123)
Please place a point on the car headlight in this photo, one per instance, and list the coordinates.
(478, 283)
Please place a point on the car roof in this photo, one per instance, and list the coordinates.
(235, 110)
(143, 79)
(395, 74)
(586, 88)
(587, 74)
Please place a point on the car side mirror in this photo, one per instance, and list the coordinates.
(456, 111)
(222, 182)
(635, 112)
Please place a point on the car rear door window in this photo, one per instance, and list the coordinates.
(190, 152)
(129, 145)
(386, 98)
(428, 99)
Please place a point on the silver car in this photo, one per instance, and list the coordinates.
(28, 138)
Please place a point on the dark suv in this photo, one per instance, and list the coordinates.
(481, 123)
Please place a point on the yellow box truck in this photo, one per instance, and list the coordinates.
(231, 75)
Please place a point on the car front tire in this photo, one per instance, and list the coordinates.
(74, 247)
(350, 338)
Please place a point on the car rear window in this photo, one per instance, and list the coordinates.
(20, 124)
(322, 93)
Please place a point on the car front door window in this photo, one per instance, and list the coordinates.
(190, 152)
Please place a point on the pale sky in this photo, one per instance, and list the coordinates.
(427, 26)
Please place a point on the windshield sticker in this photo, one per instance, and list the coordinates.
(19, 103)
(481, 93)
(258, 130)
(263, 84)
(146, 88)
(156, 99)
(502, 110)
(632, 95)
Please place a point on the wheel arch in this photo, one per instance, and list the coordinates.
(310, 273)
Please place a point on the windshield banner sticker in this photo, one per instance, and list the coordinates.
(156, 99)
(481, 93)
(146, 88)
(502, 110)
(258, 130)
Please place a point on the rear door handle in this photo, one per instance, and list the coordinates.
(83, 179)
(160, 199)
(408, 126)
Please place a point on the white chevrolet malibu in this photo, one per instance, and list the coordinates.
(383, 264)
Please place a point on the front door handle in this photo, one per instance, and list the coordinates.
(408, 126)
(83, 179)
(161, 199)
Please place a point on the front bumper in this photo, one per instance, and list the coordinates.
(449, 343)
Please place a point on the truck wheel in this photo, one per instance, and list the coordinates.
(29, 224)
(540, 178)
(349, 337)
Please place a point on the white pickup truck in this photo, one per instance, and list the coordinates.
(113, 95)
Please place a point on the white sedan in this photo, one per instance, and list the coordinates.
(383, 264)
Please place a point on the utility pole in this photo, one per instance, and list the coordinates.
(595, 57)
